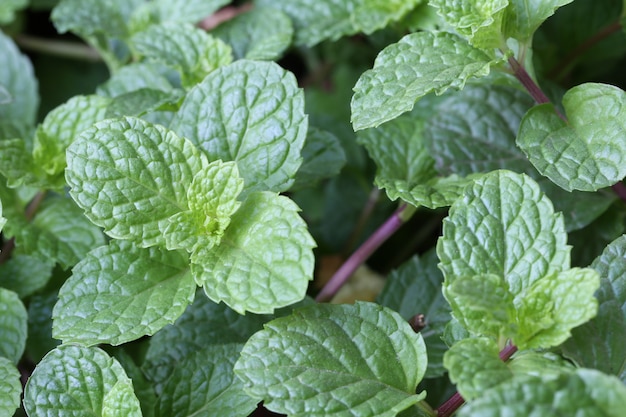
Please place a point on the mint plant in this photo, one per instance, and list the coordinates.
(167, 230)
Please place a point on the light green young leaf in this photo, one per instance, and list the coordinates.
(203, 324)
(434, 193)
(208, 374)
(261, 33)
(474, 130)
(142, 101)
(583, 393)
(589, 151)
(61, 233)
(251, 112)
(18, 80)
(523, 17)
(130, 176)
(61, 126)
(344, 360)
(475, 366)
(601, 343)
(119, 293)
(479, 21)
(93, 17)
(212, 199)
(315, 21)
(73, 380)
(189, 50)
(323, 157)
(7, 14)
(135, 77)
(403, 72)
(10, 387)
(415, 288)
(264, 260)
(13, 325)
(25, 274)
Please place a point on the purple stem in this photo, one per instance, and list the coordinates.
(361, 254)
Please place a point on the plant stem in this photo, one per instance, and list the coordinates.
(31, 210)
(368, 209)
(522, 75)
(620, 190)
(456, 401)
(558, 71)
(397, 219)
(73, 50)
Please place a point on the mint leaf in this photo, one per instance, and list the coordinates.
(143, 101)
(252, 113)
(10, 387)
(203, 324)
(323, 157)
(523, 17)
(601, 343)
(415, 288)
(208, 374)
(479, 21)
(584, 393)
(19, 83)
(437, 192)
(586, 153)
(61, 126)
(119, 293)
(212, 199)
(40, 340)
(80, 381)
(403, 72)
(92, 17)
(261, 33)
(25, 274)
(315, 21)
(13, 325)
(506, 275)
(135, 77)
(130, 176)
(60, 232)
(475, 366)
(189, 50)
(7, 14)
(335, 359)
(2, 219)
(264, 260)
(184, 11)
(474, 130)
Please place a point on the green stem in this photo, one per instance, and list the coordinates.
(72, 50)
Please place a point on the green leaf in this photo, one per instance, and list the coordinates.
(10, 387)
(142, 101)
(212, 199)
(315, 21)
(475, 366)
(251, 112)
(60, 232)
(583, 393)
(474, 130)
(479, 21)
(523, 17)
(343, 360)
(189, 50)
(601, 343)
(505, 261)
(589, 151)
(130, 176)
(25, 274)
(208, 374)
(7, 14)
(135, 77)
(2, 219)
(91, 17)
(184, 11)
(323, 157)
(119, 293)
(264, 260)
(61, 126)
(403, 72)
(73, 380)
(13, 325)
(19, 83)
(203, 324)
(415, 288)
(261, 33)
(40, 340)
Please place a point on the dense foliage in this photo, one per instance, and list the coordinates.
(180, 178)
